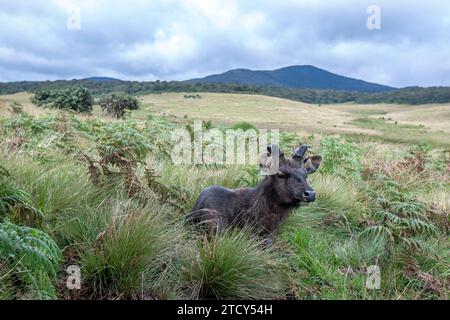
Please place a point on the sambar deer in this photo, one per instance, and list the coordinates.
(265, 206)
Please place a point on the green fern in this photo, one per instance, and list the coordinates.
(388, 217)
(399, 217)
(35, 257)
(340, 157)
(378, 232)
(419, 227)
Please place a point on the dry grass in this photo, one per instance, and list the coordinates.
(270, 112)
(432, 116)
(262, 111)
(22, 98)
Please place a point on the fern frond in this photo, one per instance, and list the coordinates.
(377, 232)
(34, 254)
(419, 227)
(387, 216)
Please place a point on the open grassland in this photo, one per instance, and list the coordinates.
(104, 195)
(392, 123)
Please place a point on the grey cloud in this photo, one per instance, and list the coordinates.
(169, 39)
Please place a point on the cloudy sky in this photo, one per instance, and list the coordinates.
(181, 39)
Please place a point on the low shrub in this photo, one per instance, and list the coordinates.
(244, 126)
(115, 104)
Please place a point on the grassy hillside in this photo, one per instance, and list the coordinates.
(104, 195)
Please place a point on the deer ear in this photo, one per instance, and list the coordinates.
(312, 164)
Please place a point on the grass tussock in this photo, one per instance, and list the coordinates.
(233, 266)
(129, 253)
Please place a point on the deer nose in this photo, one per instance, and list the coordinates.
(309, 195)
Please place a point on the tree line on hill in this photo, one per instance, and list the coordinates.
(410, 95)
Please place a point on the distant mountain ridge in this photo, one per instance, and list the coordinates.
(297, 77)
(102, 85)
(101, 79)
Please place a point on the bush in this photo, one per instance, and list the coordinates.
(76, 98)
(115, 104)
(244, 126)
(192, 96)
(43, 97)
(15, 108)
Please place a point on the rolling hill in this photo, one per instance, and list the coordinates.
(102, 79)
(298, 77)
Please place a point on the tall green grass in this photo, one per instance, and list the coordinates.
(128, 254)
(233, 266)
(138, 246)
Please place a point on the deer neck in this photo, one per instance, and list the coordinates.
(266, 198)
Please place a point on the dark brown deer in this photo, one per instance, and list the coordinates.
(265, 206)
